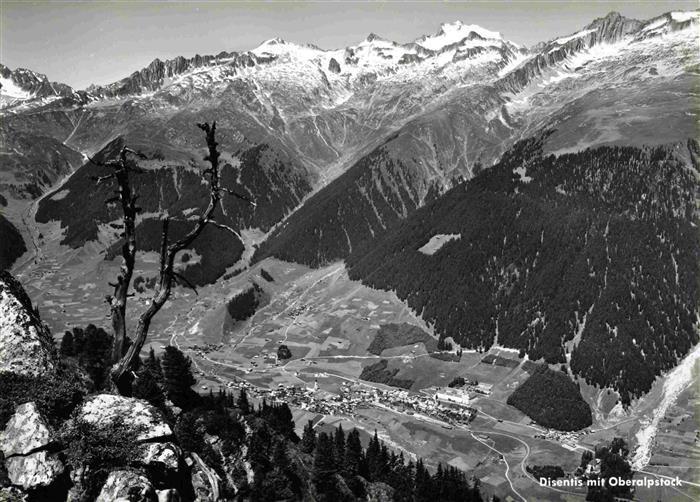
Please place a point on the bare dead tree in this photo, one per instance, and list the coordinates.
(122, 168)
(122, 368)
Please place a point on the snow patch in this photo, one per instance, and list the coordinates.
(12, 90)
(522, 172)
(655, 24)
(436, 242)
(582, 33)
(61, 195)
(558, 77)
(683, 16)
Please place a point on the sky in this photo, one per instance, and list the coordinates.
(98, 42)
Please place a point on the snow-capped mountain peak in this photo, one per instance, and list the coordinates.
(22, 84)
(670, 21)
(452, 33)
(374, 38)
(278, 46)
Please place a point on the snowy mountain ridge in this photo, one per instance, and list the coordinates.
(464, 53)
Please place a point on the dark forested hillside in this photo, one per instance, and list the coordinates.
(551, 399)
(590, 258)
(367, 199)
(216, 249)
(11, 244)
(260, 173)
(34, 156)
(244, 304)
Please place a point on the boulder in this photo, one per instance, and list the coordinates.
(106, 409)
(169, 495)
(379, 492)
(162, 464)
(127, 486)
(12, 494)
(164, 456)
(37, 470)
(77, 476)
(205, 480)
(26, 345)
(25, 432)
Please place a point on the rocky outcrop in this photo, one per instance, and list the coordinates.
(162, 464)
(25, 432)
(35, 84)
(26, 346)
(334, 66)
(37, 470)
(205, 481)
(153, 76)
(169, 495)
(24, 443)
(606, 30)
(379, 492)
(127, 486)
(11, 494)
(165, 455)
(106, 409)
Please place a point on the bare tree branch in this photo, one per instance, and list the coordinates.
(117, 300)
(181, 279)
(168, 253)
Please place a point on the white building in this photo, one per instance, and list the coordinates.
(450, 395)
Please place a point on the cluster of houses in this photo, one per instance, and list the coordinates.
(201, 350)
(351, 396)
(568, 440)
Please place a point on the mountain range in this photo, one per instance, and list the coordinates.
(342, 148)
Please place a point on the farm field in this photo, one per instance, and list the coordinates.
(328, 322)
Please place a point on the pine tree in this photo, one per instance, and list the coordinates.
(177, 377)
(259, 451)
(440, 483)
(339, 447)
(274, 487)
(153, 365)
(280, 460)
(423, 484)
(308, 439)
(403, 480)
(242, 402)
(586, 458)
(67, 344)
(78, 341)
(353, 454)
(323, 475)
(146, 387)
(95, 354)
(374, 461)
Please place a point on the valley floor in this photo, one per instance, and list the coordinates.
(328, 322)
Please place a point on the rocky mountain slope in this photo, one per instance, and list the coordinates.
(339, 145)
(618, 81)
(294, 116)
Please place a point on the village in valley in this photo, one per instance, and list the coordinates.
(328, 324)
